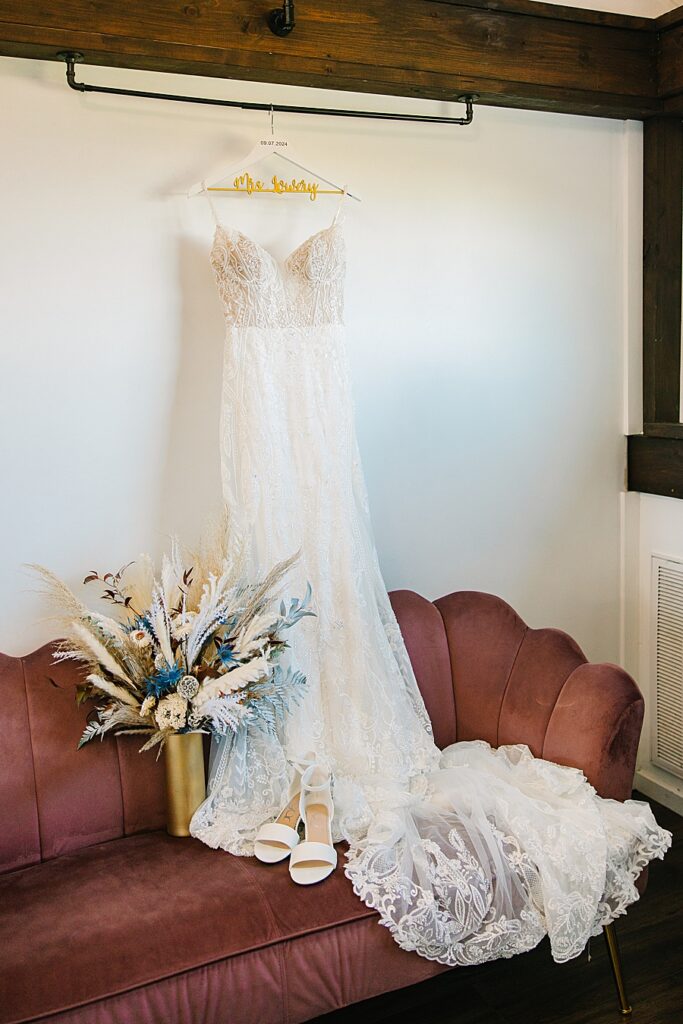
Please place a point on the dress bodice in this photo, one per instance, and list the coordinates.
(307, 290)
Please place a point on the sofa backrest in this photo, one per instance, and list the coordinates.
(482, 672)
(504, 677)
(507, 683)
(55, 798)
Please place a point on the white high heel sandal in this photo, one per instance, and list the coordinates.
(275, 840)
(315, 858)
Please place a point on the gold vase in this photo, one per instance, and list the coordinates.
(185, 780)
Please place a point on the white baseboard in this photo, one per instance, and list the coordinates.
(661, 786)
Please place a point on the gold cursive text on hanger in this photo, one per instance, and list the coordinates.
(278, 186)
(245, 183)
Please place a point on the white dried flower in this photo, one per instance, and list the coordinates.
(141, 638)
(160, 662)
(171, 712)
(188, 687)
(147, 705)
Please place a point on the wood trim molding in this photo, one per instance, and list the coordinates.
(669, 20)
(662, 242)
(655, 458)
(564, 12)
(655, 465)
(663, 430)
(512, 52)
(670, 61)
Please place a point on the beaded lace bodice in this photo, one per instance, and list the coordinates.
(307, 290)
(467, 854)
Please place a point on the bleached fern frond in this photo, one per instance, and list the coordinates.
(91, 731)
(214, 603)
(98, 682)
(161, 625)
(215, 592)
(172, 570)
(225, 714)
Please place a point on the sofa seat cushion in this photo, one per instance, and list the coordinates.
(124, 914)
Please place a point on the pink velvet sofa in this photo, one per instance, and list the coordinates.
(105, 918)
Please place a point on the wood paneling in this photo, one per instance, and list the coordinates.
(655, 461)
(514, 53)
(655, 465)
(662, 240)
(663, 429)
(670, 62)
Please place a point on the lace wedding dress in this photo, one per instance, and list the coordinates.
(469, 853)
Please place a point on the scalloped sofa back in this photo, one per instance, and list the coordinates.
(483, 674)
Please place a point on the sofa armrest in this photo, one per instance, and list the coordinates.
(595, 726)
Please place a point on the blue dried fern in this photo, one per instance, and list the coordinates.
(297, 610)
(274, 698)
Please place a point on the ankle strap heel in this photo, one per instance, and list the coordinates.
(315, 858)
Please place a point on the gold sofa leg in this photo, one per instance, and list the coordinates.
(615, 960)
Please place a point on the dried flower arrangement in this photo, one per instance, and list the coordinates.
(195, 650)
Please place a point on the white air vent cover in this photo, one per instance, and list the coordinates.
(668, 664)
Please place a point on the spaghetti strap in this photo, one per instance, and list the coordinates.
(211, 203)
(341, 207)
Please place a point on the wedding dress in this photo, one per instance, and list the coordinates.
(469, 853)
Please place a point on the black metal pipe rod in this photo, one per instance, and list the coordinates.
(285, 108)
(288, 14)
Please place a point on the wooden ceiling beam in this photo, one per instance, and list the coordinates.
(512, 52)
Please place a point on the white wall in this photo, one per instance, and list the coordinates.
(486, 324)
